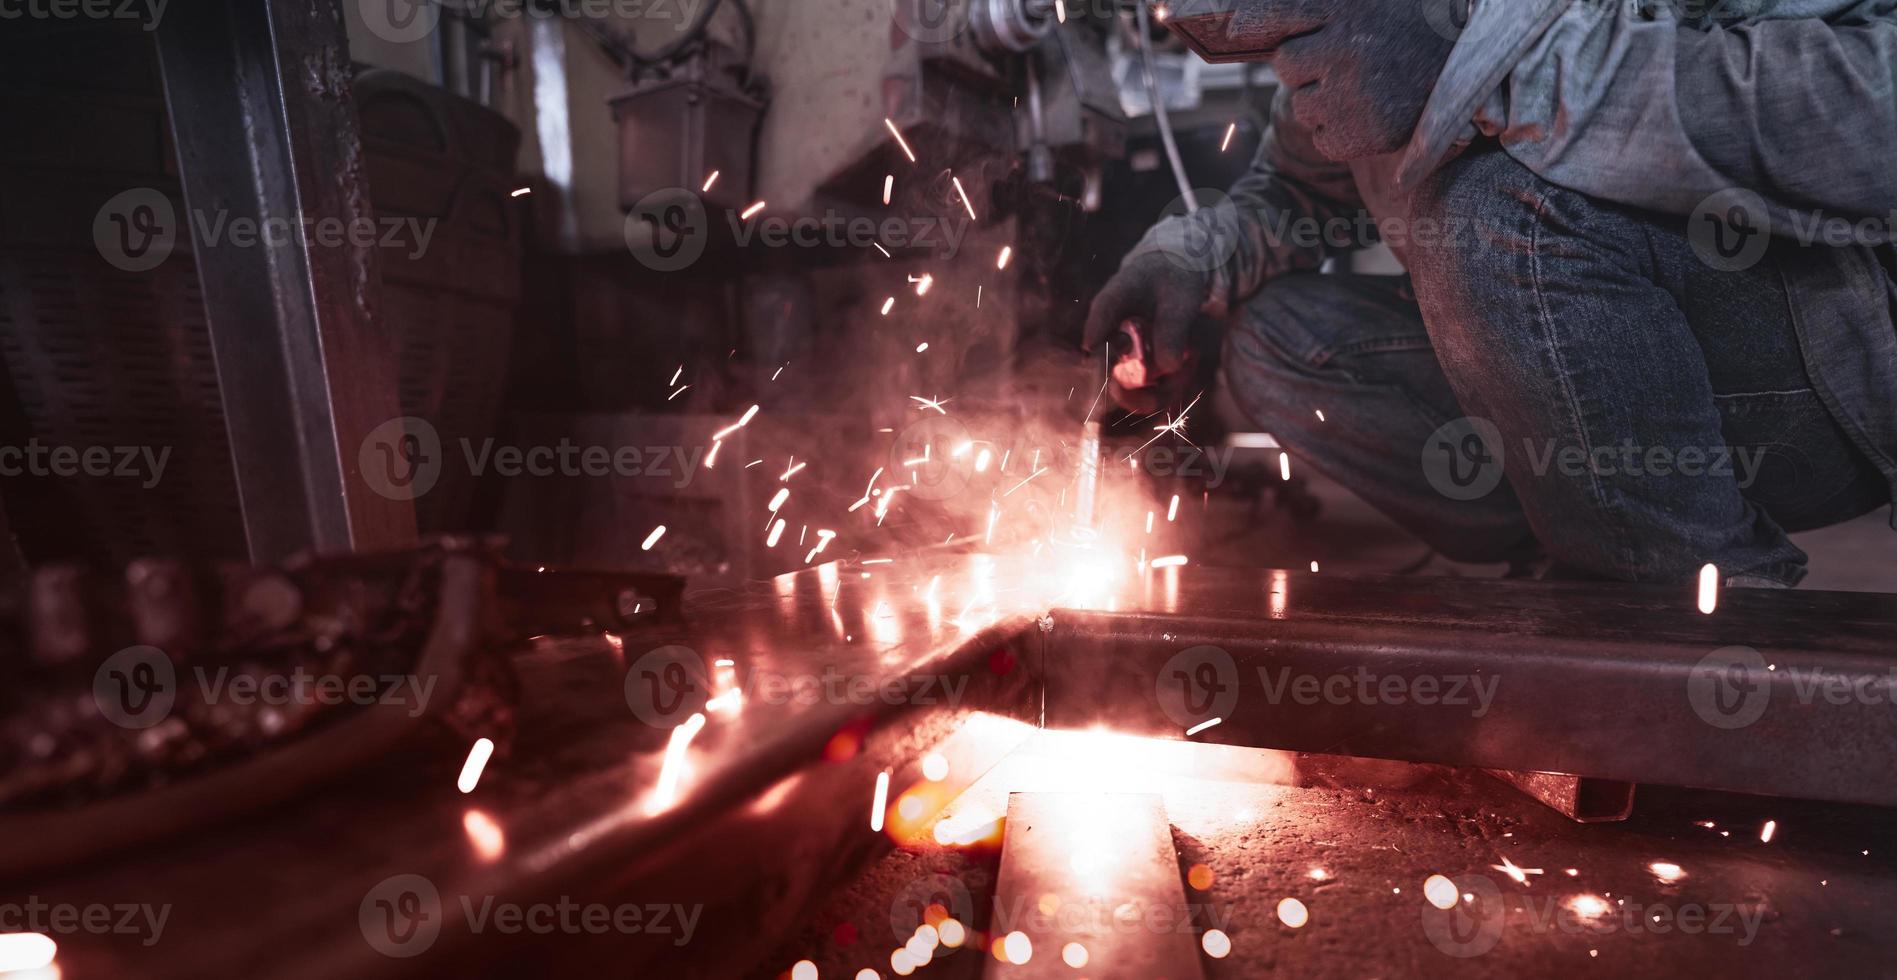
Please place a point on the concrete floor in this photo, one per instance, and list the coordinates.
(1685, 888)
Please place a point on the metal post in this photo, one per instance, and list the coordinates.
(260, 101)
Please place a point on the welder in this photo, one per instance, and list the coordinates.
(1647, 318)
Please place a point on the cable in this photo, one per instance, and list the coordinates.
(1160, 116)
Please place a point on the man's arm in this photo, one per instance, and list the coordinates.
(1656, 114)
(1800, 111)
(1271, 222)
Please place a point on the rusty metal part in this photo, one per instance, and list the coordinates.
(1108, 860)
(773, 814)
(1779, 693)
(1578, 798)
(68, 835)
(266, 131)
(179, 752)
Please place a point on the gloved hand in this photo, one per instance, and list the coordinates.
(1359, 71)
(1164, 295)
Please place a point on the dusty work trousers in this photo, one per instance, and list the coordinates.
(1568, 380)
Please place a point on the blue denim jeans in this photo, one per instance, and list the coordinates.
(1565, 378)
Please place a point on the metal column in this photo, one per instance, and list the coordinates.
(260, 101)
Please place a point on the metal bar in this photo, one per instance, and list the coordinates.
(1108, 861)
(267, 142)
(1778, 693)
(1580, 799)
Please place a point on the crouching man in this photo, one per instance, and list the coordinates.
(1648, 318)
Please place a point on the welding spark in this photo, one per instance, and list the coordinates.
(711, 180)
(1161, 12)
(522, 192)
(751, 212)
(26, 951)
(1230, 131)
(795, 469)
(1709, 589)
(880, 805)
(1202, 726)
(1284, 466)
(1007, 252)
(982, 460)
(1060, 14)
(970, 205)
(778, 501)
(931, 403)
(1027, 481)
(670, 771)
(1149, 522)
(777, 534)
(679, 392)
(653, 538)
(1520, 875)
(779, 371)
(749, 414)
(880, 248)
(923, 284)
(897, 133)
(1170, 561)
(1320, 416)
(711, 458)
(1172, 510)
(922, 347)
(477, 761)
(1766, 832)
(676, 375)
(889, 189)
(1314, 567)
(889, 304)
(994, 514)
(868, 491)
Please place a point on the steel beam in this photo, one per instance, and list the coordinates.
(259, 97)
(1778, 693)
(1090, 882)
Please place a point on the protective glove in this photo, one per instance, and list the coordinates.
(1162, 295)
(1359, 71)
